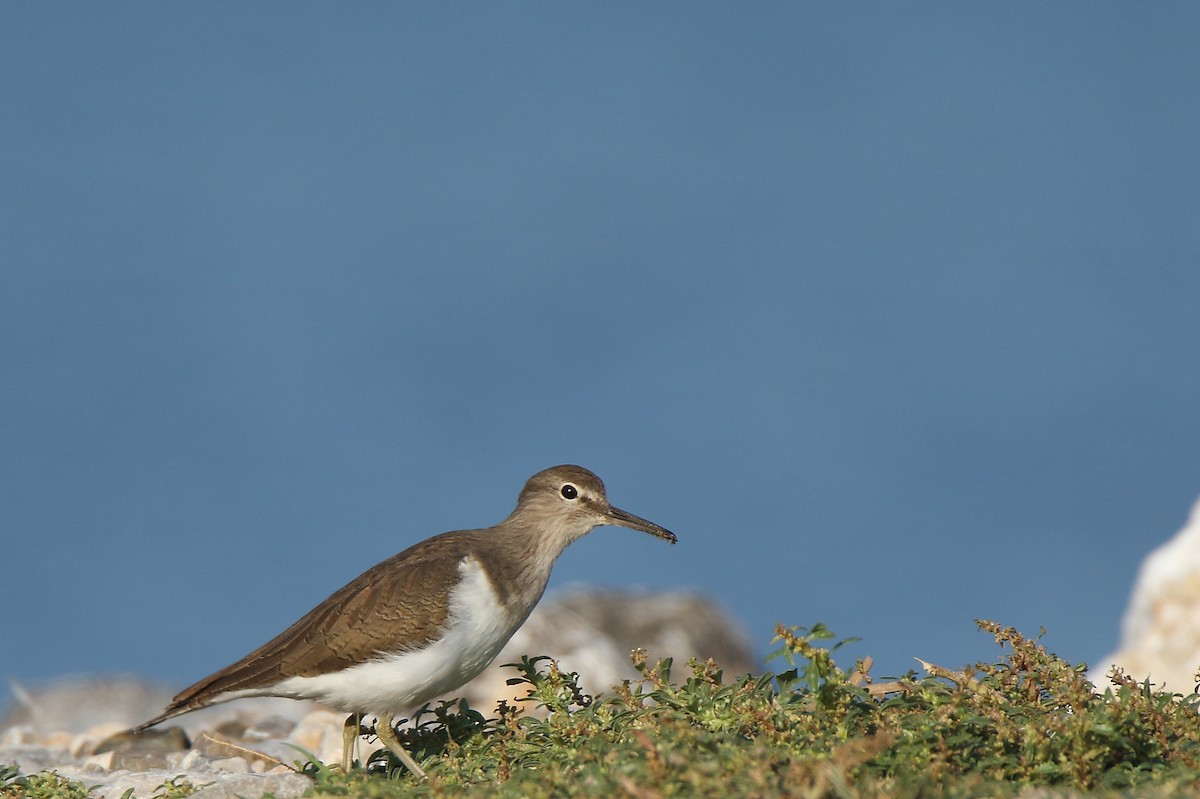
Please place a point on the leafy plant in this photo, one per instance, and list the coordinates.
(175, 788)
(813, 729)
(47, 785)
(1026, 724)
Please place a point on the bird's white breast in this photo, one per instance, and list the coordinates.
(477, 628)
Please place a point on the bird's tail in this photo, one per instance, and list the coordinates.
(178, 708)
(170, 713)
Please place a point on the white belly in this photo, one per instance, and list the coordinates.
(477, 629)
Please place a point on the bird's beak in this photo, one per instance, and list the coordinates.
(625, 519)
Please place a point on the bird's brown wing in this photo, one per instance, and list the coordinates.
(398, 604)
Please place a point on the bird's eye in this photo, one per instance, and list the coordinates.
(569, 491)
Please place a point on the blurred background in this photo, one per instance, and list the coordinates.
(889, 311)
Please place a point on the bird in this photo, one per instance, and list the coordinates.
(423, 622)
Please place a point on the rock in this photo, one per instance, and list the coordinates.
(253, 786)
(16, 736)
(269, 728)
(677, 624)
(219, 748)
(1160, 633)
(233, 765)
(101, 762)
(30, 759)
(224, 778)
(89, 741)
(148, 750)
(593, 632)
(136, 761)
(143, 784)
(75, 704)
(57, 740)
(320, 734)
(211, 784)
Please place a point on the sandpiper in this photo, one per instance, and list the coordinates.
(423, 622)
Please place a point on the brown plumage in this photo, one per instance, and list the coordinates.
(403, 605)
(395, 605)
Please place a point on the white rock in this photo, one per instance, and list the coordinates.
(1160, 633)
(320, 734)
(85, 743)
(593, 631)
(100, 762)
(17, 735)
(191, 759)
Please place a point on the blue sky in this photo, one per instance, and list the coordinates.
(889, 311)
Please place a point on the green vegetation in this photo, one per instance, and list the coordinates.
(811, 730)
(1029, 724)
(38, 786)
(174, 788)
(50, 785)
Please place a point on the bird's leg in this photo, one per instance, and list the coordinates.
(350, 732)
(387, 737)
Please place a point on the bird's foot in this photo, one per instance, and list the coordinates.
(387, 736)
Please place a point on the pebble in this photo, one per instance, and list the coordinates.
(220, 767)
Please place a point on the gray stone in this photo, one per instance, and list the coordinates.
(31, 759)
(157, 743)
(253, 786)
(144, 783)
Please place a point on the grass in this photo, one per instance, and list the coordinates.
(50, 785)
(1029, 724)
(47, 785)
